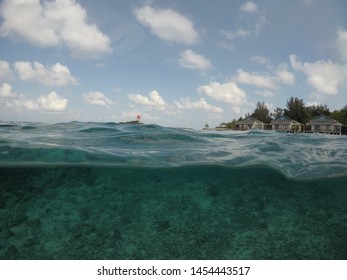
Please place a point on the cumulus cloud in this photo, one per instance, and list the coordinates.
(54, 75)
(52, 102)
(249, 7)
(342, 43)
(52, 24)
(22, 103)
(255, 79)
(189, 59)
(6, 90)
(154, 100)
(284, 76)
(5, 71)
(185, 103)
(97, 98)
(269, 81)
(167, 24)
(323, 75)
(227, 93)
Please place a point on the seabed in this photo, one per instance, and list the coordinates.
(198, 212)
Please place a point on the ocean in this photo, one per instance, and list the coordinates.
(116, 191)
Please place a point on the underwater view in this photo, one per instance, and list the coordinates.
(116, 191)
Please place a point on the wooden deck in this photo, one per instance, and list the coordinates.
(324, 132)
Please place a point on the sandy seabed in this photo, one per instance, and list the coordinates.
(198, 212)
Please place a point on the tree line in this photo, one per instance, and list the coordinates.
(296, 110)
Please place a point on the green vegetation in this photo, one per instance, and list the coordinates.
(261, 112)
(340, 115)
(296, 110)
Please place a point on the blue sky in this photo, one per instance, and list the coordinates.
(175, 63)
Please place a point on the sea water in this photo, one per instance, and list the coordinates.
(115, 191)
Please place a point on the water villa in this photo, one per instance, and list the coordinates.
(324, 124)
(286, 124)
(249, 123)
(321, 124)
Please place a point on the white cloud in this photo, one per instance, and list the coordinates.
(154, 100)
(22, 103)
(255, 79)
(191, 60)
(295, 63)
(323, 75)
(239, 33)
(228, 92)
(249, 7)
(242, 33)
(52, 24)
(226, 46)
(260, 23)
(168, 25)
(342, 43)
(312, 103)
(54, 75)
(317, 98)
(264, 93)
(97, 98)
(272, 81)
(27, 20)
(284, 76)
(256, 22)
(52, 102)
(6, 91)
(185, 103)
(260, 59)
(5, 71)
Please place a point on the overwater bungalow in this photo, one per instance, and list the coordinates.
(324, 124)
(249, 123)
(286, 124)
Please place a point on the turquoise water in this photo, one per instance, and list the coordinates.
(109, 191)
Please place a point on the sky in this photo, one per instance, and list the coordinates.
(175, 63)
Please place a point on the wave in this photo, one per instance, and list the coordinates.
(300, 156)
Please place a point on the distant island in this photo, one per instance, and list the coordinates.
(131, 122)
(137, 121)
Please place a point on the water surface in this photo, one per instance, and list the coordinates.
(109, 191)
